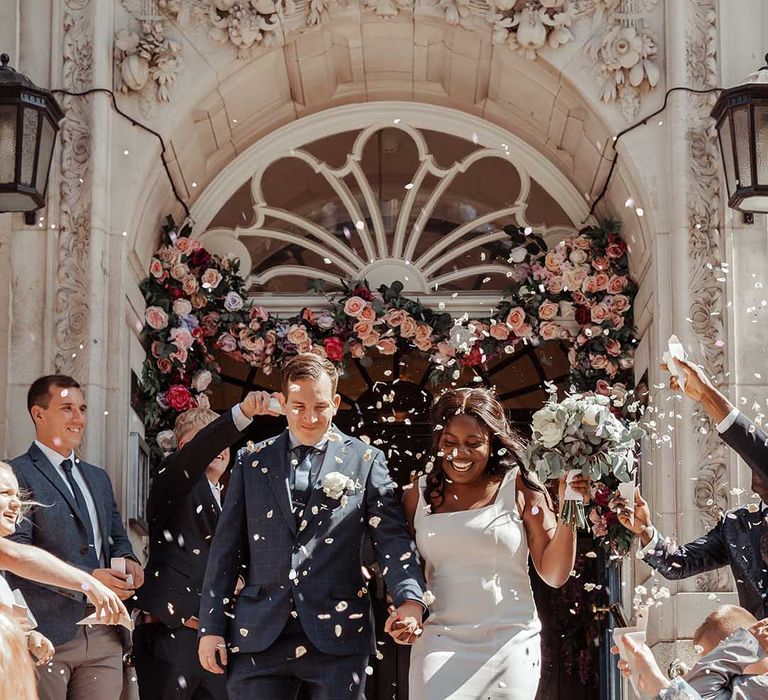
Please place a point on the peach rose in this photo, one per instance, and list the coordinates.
(408, 327)
(578, 298)
(424, 344)
(367, 314)
(190, 285)
(555, 284)
(525, 331)
(179, 354)
(617, 284)
(179, 271)
(618, 321)
(195, 244)
(423, 333)
(499, 331)
(553, 260)
(356, 350)
(182, 307)
(599, 312)
(211, 278)
(354, 306)
(549, 331)
(394, 317)
(182, 244)
(548, 310)
(578, 256)
(582, 243)
(166, 254)
(601, 281)
(156, 317)
(297, 335)
(515, 318)
(602, 387)
(250, 343)
(598, 361)
(575, 277)
(615, 250)
(619, 303)
(371, 339)
(601, 264)
(387, 346)
(589, 286)
(613, 347)
(156, 268)
(198, 300)
(363, 328)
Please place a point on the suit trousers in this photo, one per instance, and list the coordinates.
(88, 666)
(167, 665)
(294, 668)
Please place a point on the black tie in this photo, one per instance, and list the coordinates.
(301, 479)
(67, 465)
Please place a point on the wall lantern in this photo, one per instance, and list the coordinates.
(29, 122)
(741, 115)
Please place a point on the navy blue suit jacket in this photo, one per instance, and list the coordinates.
(57, 527)
(318, 566)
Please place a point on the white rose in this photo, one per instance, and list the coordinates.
(165, 440)
(233, 302)
(182, 307)
(549, 425)
(202, 380)
(592, 414)
(335, 484)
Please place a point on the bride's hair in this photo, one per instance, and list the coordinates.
(486, 409)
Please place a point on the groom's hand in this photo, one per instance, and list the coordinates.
(256, 403)
(211, 645)
(404, 622)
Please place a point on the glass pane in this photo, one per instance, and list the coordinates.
(31, 120)
(761, 143)
(46, 151)
(7, 143)
(743, 140)
(726, 148)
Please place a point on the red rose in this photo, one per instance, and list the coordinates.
(583, 315)
(473, 357)
(334, 349)
(200, 258)
(602, 498)
(363, 293)
(175, 293)
(164, 365)
(179, 398)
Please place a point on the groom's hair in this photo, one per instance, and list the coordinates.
(39, 393)
(307, 365)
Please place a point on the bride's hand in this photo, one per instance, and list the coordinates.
(580, 483)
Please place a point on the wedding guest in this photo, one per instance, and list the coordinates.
(77, 520)
(17, 674)
(477, 516)
(297, 509)
(741, 534)
(182, 512)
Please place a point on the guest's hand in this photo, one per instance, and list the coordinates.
(107, 603)
(404, 622)
(760, 632)
(256, 403)
(40, 647)
(638, 520)
(134, 568)
(650, 678)
(580, 483)
(116, 581)
(211, 645)
(697, 384)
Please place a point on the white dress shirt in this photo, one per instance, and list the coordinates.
(56, 459)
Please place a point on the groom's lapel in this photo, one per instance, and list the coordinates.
(275, 459)
(336, 455)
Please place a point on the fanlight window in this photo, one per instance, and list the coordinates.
(384, 203)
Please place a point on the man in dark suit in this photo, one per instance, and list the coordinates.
(297, 509)
(740, 538)
(182, 512)
(77, 520)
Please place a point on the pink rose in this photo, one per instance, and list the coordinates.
(182, 338)
(156, 317)
(619, 303)
(525, 331)
(555, 284)
(582, 243)
(599, 312)
(356, 350)
(598, 361)
(156, 268)
(424, 344)
(363, 328)
(179, 271)
(226, 342)
(180, 354)
(251, 343)
(297, 335)
(499, 331)
(211, 278)
(618, 321)
(408, 327)
(371, 339)
(165, 366)
(613, 347)
(387, 346)
(601, 281)
(578, 256)
(394, 317)
(515, 318)
(255, 325)
(589, 286)
(182, 244)
(601, 264)
(367, 314)
(575, 277)
(354, 306)
(578, 298)
(446, 349)
(616, 250)
(423, 332)
(548, 310)
(166, 254)
(195, 244)
(549, 331)
(258, 313)
(189, 285)
(602, 387)
(617, 284)
(627, 362)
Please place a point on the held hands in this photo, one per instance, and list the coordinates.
(211, 645)
(256, 403)
(650, 678)
(404, 622)
(40, 647)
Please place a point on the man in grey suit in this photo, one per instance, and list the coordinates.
(296, 511)
(740, 538)
(76, 520)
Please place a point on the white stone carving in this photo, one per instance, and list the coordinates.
(245, 24)
(389, 8)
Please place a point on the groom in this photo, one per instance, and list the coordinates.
(297, 509)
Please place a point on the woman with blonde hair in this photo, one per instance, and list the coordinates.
(17, 673)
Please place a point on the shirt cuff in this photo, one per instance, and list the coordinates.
(239, 418)
(651, 546)
(728, 421)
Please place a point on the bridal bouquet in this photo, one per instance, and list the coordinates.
(581, 434)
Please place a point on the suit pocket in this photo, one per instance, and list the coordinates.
(252, 591)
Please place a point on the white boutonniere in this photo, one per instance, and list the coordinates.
(336, 484)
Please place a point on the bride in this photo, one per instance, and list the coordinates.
(475, 517)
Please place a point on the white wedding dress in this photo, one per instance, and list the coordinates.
(481, 640)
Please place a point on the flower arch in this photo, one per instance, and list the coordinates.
(197, 306)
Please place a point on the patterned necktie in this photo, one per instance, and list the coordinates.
(67, 466)
(301, 479)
